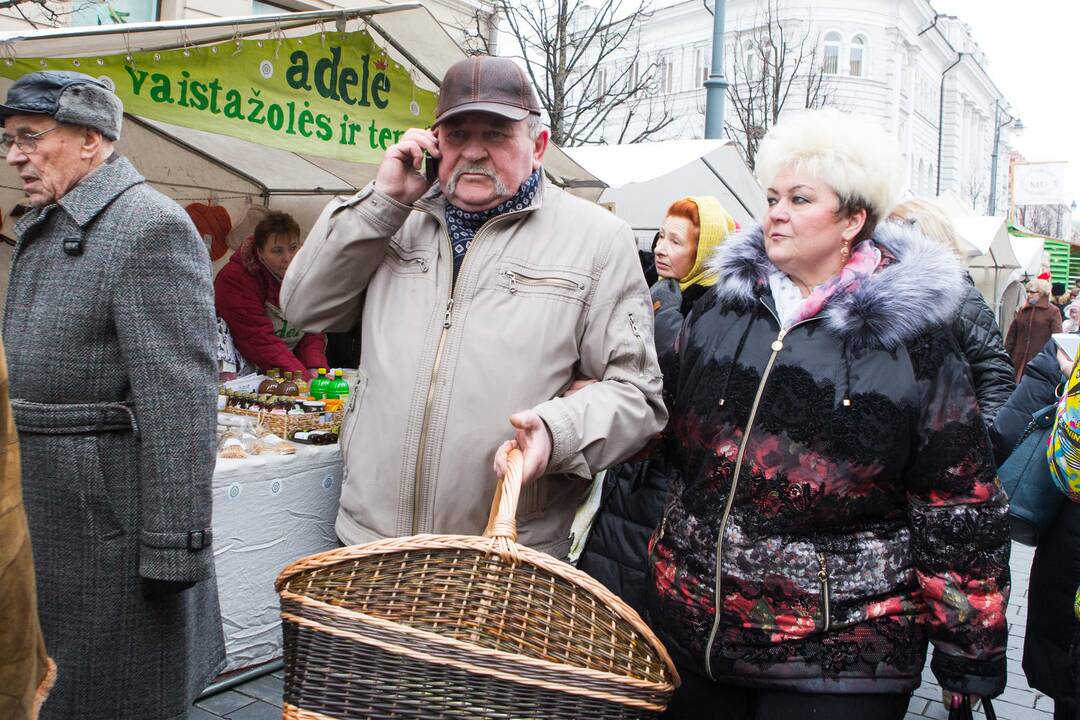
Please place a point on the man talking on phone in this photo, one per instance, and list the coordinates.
(488, 293)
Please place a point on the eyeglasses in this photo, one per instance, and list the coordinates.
(27, 142)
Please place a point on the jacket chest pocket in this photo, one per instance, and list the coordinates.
(406, 262)
(557, 283)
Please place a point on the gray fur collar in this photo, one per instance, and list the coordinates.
(921, 289)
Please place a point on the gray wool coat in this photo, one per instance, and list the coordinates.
(110, 336)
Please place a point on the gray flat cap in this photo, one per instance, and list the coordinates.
(69, 97)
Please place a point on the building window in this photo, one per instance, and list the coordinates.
(600, 85)
(833, 41)
(114, 12)
(751, 61)
(702, 60)
(667, 75)
(857, 56)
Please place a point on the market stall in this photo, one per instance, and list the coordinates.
(281, 112)
(194, 157)
(268, 510)
(998, 261)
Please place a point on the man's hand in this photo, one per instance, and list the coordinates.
(399, 174)
(534, 441)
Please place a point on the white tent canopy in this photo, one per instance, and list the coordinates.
(643, 179)
(991, 257)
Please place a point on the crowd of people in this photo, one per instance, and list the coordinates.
(801, 420)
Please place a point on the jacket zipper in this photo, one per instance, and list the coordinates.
(777, 346)
(823, 578)
(641, 341)
(516, 278)
(409, 261)
(418, 485)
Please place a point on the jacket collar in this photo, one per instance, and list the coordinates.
(922, 288)
(90, 195)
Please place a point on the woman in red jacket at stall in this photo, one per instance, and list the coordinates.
(247, 299)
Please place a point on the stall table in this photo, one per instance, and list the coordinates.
(269, 510)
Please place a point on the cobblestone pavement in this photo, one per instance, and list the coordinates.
(260, 699)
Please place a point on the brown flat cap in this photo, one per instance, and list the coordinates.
(486, 84)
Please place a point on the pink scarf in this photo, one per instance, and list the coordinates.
(864, 261)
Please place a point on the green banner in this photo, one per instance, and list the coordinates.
(333, 95)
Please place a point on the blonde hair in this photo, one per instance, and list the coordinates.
(850, 153)
(1042, 287)
(930, 220)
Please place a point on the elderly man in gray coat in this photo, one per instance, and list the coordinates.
(109, 330)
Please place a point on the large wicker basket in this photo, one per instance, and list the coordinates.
(451, 626)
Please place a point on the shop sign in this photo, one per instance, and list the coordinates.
(336, 95)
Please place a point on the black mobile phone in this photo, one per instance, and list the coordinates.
(431, 168)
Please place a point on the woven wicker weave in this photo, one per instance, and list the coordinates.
(284, 425)
(451, 626)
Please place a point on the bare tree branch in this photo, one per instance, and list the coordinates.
(587, 67)
(776, 62)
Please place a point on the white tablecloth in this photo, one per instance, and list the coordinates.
(268, 511)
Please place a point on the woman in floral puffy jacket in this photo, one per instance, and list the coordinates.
(834, 505)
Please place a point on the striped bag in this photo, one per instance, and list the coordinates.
(1063, 450)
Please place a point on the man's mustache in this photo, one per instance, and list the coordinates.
(475, 169)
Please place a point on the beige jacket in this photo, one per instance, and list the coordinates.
(545, 294)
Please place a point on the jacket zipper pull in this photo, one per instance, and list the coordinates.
(778, 343)
(513, 286)
(449, 307)
(641, 340)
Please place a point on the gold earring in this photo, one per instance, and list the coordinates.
(844, 250)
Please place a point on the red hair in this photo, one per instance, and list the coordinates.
(686, 208)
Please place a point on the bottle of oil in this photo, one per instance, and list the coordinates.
(288, 386)
(269, 386)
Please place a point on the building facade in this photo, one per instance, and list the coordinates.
(919, 72)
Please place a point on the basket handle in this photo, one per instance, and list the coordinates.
(502, 522)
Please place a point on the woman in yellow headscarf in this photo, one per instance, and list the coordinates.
(633, 496)
(694, 227)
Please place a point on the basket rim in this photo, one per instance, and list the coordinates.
(401, 649)
(471, 542)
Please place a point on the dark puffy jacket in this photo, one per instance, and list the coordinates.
(1039, 387)
(634, 492)
(980, 340)
(1055, 571)
(840, 477)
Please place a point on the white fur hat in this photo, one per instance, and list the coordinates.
(850, 153)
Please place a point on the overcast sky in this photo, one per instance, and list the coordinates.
(1034, 52)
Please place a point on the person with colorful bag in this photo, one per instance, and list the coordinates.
(1055, 570)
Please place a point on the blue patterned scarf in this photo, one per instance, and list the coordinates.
(463, 224)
